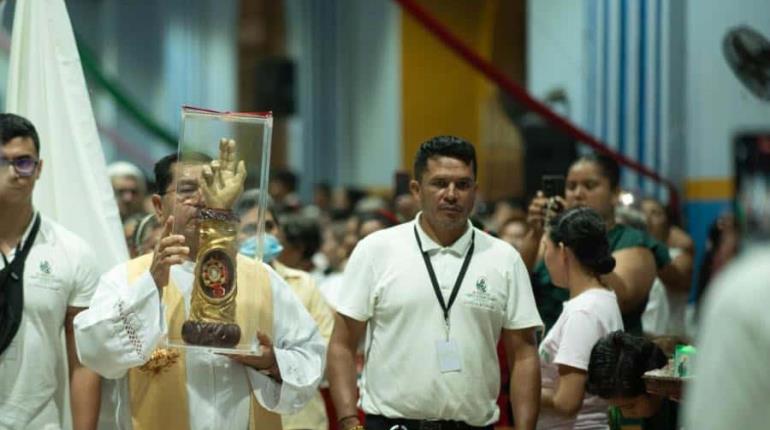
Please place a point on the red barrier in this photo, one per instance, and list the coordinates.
(521, 95)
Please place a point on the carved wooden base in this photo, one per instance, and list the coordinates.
(211, 334)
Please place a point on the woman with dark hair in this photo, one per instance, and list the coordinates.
(664, 314)
(576, 253)
(594, 181)
(615, 371)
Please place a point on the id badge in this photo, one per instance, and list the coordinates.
(448, 356)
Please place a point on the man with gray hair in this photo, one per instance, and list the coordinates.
(130, 188)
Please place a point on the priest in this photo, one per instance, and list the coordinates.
(196, 285)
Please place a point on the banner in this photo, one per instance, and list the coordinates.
(47, 86)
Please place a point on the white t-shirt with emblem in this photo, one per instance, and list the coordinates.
(583, 321)
(387, 284)
(60, 271)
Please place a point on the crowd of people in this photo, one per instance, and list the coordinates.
(412, 310)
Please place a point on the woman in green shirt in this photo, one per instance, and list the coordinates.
(594, 181)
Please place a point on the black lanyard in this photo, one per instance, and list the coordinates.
(12, 289)
(436, 289)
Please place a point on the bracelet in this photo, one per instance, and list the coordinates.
(218, 214)
(355, 427)
(346, 417)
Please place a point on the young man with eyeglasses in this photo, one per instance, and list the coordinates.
(48, 276)
(432, 297)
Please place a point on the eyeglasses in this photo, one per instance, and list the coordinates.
(184, 192)
(24, 166)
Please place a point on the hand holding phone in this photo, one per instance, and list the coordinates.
(547, 203)
(553, 189)
(553, 185)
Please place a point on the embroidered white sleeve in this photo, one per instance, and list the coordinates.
(131, 327)
(121, 327)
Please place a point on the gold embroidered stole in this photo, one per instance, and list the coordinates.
(159, 399)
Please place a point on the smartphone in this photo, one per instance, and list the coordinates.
(752, 185)
(553, 185)
(401, 180)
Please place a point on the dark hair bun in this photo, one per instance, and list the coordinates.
(605, 265)
(583, 231)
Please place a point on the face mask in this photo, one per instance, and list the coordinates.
(271, 248)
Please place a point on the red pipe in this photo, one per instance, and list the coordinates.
(521, 95)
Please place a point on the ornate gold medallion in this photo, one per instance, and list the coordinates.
(217, 274)
(160, 360)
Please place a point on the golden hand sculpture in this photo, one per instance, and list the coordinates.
(212, 305)
(223, 178)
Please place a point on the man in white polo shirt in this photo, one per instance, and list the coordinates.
(47, 276)
(434, 296)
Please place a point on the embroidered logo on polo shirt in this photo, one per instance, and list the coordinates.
(481, 285)
(483, 296)
(45, 267)
(44, 277)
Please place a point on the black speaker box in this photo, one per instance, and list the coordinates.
(274, 87)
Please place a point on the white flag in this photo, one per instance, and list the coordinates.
(46, 85)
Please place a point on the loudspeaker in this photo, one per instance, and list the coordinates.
(274, 88)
